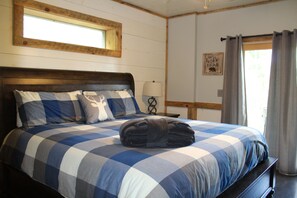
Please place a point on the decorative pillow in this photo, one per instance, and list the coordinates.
(18, 120)
(39, 108)
(121, 102)
(96, 108)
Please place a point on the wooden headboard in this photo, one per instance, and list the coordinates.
(51, 80)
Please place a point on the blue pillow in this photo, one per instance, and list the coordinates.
(121, 103)
(39, 108)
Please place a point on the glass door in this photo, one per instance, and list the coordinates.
(257, 66)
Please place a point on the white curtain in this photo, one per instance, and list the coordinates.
(281, 123)
(234, 92)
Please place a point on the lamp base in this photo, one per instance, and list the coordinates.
(152, 105)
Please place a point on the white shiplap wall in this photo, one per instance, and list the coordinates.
(143, 47)
(181, 58)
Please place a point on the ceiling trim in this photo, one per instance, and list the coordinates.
(185, 14)
(140, 8)
(197, 13)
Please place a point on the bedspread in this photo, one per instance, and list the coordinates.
(81, 160)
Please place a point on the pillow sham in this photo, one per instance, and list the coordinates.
(39, 108)
(96, 108)
(18, 120)
(121, 102)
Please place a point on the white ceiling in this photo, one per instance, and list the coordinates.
(169, 8)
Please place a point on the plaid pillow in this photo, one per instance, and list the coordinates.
(39, 108)
(96, 108)
(121, 102)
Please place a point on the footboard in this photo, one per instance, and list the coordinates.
(258, 183)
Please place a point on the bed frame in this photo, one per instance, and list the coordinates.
(13, 183)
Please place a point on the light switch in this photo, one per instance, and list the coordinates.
(220, 93)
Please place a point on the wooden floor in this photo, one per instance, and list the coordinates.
(286, 186)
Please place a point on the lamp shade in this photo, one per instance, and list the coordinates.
(152, 89)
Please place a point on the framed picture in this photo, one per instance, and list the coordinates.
(213, 63)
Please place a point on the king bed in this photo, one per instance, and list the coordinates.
(72, 158)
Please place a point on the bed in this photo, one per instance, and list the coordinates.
(124, 171)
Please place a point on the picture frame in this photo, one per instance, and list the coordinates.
(213, 63)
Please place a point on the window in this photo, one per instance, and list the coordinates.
(56, 31)
(257, 72)
(44, 26)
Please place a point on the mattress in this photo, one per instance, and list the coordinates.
(80, 160)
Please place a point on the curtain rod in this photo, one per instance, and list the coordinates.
(251, 36)
(254, 36)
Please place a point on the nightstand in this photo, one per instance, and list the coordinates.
(174, 115)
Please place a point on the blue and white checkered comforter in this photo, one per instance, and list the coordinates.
(89, 161)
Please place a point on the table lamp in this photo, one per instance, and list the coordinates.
(152, 89)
